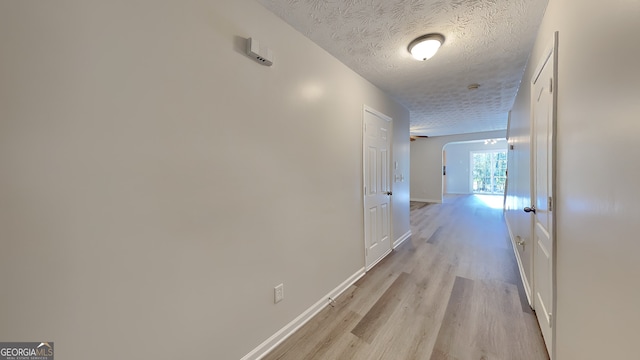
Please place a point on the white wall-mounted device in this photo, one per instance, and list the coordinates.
(263, 55)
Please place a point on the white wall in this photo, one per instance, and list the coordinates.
(458, 162)
(518, 194)
(426, 163)
(157, 183)
(597, 193)
(401, 179)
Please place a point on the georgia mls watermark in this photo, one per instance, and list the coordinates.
(26, 350)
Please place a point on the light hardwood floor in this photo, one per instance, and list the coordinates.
(451, 291)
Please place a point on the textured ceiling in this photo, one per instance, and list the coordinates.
(487, 42)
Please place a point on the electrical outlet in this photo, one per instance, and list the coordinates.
(278, 293)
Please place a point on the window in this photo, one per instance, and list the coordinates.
(489, 171)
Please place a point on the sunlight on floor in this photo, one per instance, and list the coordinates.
(492, 201)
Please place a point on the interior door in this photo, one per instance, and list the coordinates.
(543, 116)
(377, 187)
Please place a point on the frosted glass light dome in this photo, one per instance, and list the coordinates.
(424, 47)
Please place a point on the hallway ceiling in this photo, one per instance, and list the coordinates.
(487, 42)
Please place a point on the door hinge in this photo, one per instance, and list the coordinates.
(550, 203)
(550, 320)
(550, 85)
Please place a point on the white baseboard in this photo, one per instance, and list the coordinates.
(427, 200)
(402, 239)
(275, 340)
(377, 261)
(525, 282)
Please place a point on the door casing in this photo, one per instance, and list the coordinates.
(545, 208)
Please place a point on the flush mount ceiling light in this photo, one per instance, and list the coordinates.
(424, 47)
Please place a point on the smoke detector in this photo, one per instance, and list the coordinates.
(262, 55)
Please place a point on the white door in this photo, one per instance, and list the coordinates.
(542, 137)
(377, 187)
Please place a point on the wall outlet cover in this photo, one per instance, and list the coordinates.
(278, 293)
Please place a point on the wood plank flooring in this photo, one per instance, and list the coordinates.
(452, 291)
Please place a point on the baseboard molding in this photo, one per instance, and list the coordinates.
(402, 239)
(386, 253)
(525, 282)
(427, 200)
(280, 336)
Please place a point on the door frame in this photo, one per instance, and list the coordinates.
(367, 109)
(550, 53)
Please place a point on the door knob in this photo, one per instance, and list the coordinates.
(389, 193)
(530, 209)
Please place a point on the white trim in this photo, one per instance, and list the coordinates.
(546, 55)
(268, 345)
(378, 260)
(523, 276)
(426, 200)
(508, 128)
(402, 239)
(377, 113)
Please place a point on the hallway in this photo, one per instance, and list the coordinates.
(452, 291)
